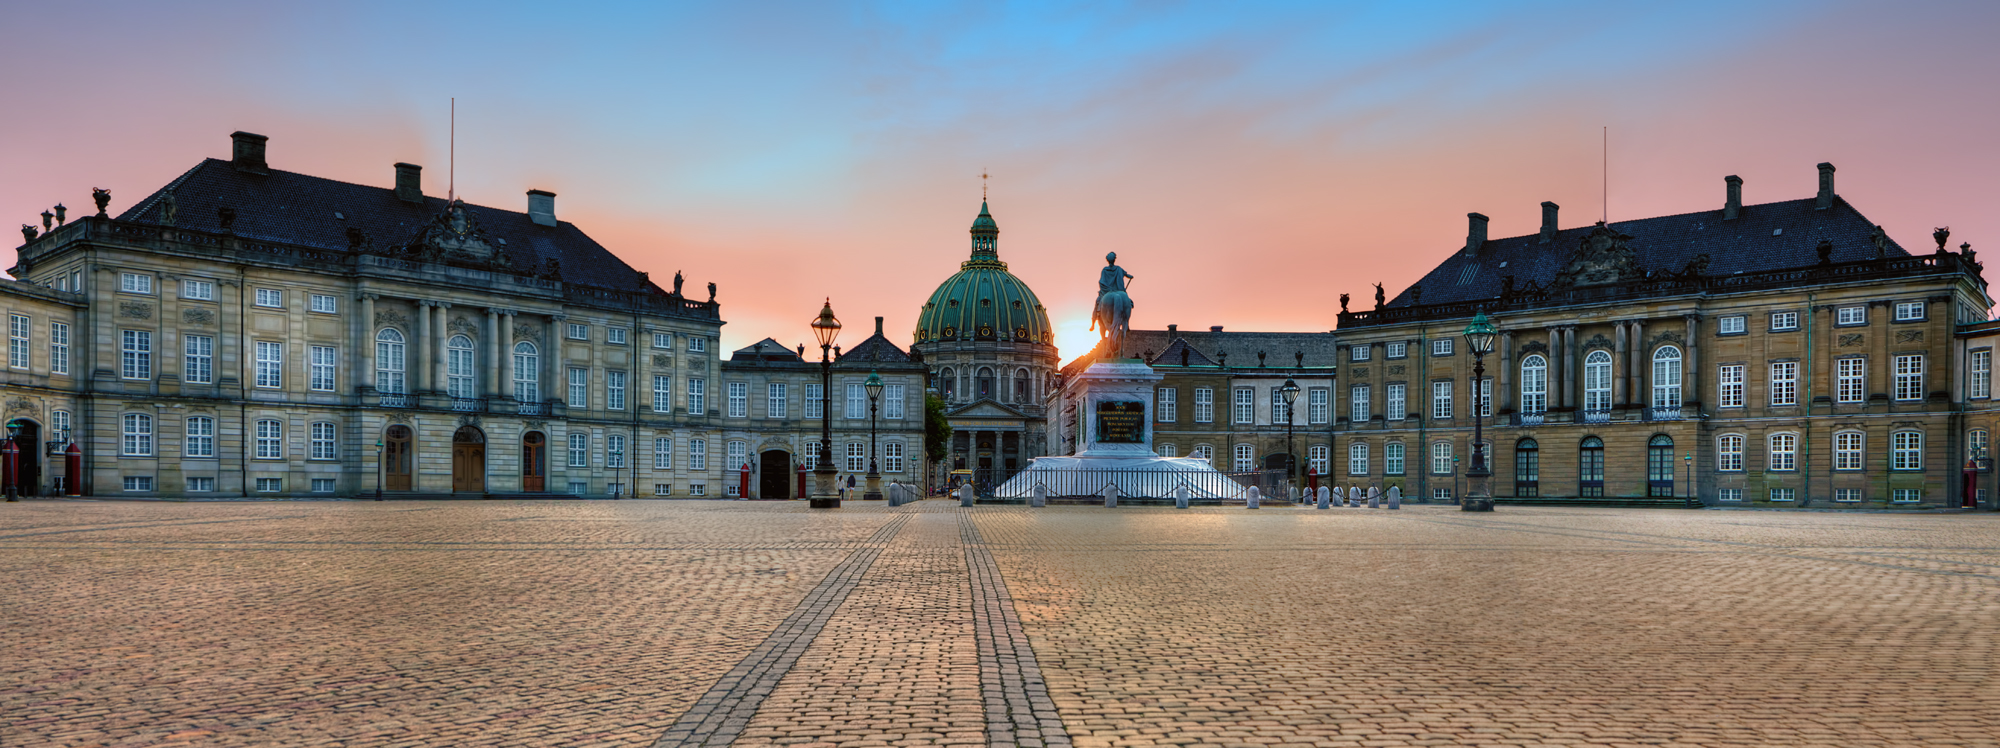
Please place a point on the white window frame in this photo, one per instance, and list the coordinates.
(528, 372)
(1246, 405)
(579, 450)
(197, 290)
(1442, 454)
(663, 393)
(1729, 494)
(663, 340)
(1847, 495)
(1319, 404)
(1395, 401)
(1782, 452)
(614, 389)
(738, 402)
(1441, 400)
(325, 363)
(138, 283)
(1318, 459)
(390, 349)
(1784, 321)
(579, 331)
(1396, 349)
(1597, 381)
(323, 304)
(1359, 352)
(857, 457)
(1534, 384)
(1910, 311)
(1734, 324)
(324, 485)
(269, 298)
(1909, 377)
(579, 387)
(200, 484)
(857, 402)
(1357, 458)
(815, 401)
(1850, 316)
(1441, 346)
(200, 440)
(1785, 383)
(1906, 450)
(777, 400)
(1204, 405)
(1729, 453)
(1166, 404)
(1359, 399)
(1246, 458)
(18, 328)
(138, 482)
(1784, 495)
(270, 371)
(1848, 450)
(697, 396)
(892, 402)
(135, 354)
(892, 457)
(697, 454)
(325, 442)
(270, 439)
(461, 369)
(663, 453)
(1979, 365)
(1392, 458)
(615, 335)
(58, 347)
(1667, 377)
(1850, 380)
(1730, 392)
(198, 359)
(1906, 495)
(614, 451)
(697, 344)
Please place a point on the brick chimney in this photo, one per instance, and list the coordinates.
(1825, 186)
(1732, 201)
(1549, 221)
(409, 183)
(542, 208)
(878, 326)
(1173, 331)
(247, 154)
(1475, 233)
(1215, 328)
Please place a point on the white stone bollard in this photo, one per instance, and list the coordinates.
(1395, 497)
(1181, 496)
(1325, 497)
(1253, 500)
(965, 495)
(1041, 496)
(1111, 496)
(1349, 498)
(1374, 497)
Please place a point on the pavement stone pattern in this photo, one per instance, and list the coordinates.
(502, 623)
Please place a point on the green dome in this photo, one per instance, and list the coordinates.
(983, 301)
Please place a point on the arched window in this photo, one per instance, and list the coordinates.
(1597, 381)
(1023, 387)
(1590, 467)
(1847, 450)
(1357, 459)
(983, 384)
(948, 384)
(1660, 458)
(1527, 468)
(527, 376)
(1667, 377)
(1534, 384)
(1906, 450)
(460, 379)
(389, 361)
(1784, 452)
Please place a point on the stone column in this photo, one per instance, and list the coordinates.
(1640, 360)
(554, 373)
(1555, 378)
(421, 380)
(1690, 365)
(1569, 366)
(1506, 384)
(366, 377)
(440, 313)
(492, 352)
(507, 354)
(1621, 366)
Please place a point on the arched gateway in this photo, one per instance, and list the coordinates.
(468, 460)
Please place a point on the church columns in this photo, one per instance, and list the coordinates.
(367, 346)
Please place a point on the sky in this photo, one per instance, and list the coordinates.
(1249, 162)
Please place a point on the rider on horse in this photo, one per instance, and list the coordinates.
(1113, 315)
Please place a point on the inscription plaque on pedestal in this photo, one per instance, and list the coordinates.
(1121, 422)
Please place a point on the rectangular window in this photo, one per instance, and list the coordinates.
(198, 365)
(1358, 403)
(1246, 405)
(1281, 412)
(1907, 495)
(59, 347)
(323, 367)
(200, 437)
(579, 331)
(323, 446)
(270, 364)
(811, 459)
(614, 335)
(17, 340)
(579, 388)
(1851, 315)
(59, 428)
(1393, 407)
(1441, 458)
(1392, 458)
(892, 457)
(775, 404)
(1397, 349)
(1357, 459)
(1847, 450)
(698, 489)
(663, 340)
(1729, 453)
(1847, 495)
(1784, 494)
(1358, 353)
(270, 485)
(200, 485)
(1730, 377)
(1486, 396)
(614, 451)
(322, 485)
(1319, 404)
(1782, 321)
(579, 451)
(663, 394)
(1729, 494)
(857, 457)
(1729, 325)
(697, 454)
(1246, 458)
(698, 397)
(324, 304)
(1784, 452)
(1909, 311)
(815, 402)
(138, 483)
(270, 297)
(198, 290)
(663, 453)
(857, 402)
(1785, 383)
(892, 401)
(1910, 376)
(1908, 450)
(697, 344)
(1165, 405)
(1440, 400)
(135, 283)
(1850, 379)
(739, 399)
(270, 440)
(136, 354)
(1204, 405)
(1441, 347)
(579, 488)
(1979, 386)
(614, 390)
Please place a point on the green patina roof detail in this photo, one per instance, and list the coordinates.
(991, 304)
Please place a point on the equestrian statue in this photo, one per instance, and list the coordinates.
(1112, 318)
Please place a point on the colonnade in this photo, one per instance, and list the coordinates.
(428, 358)
(1631, 362)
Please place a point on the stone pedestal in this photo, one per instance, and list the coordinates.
(826, 490)
(873, 491)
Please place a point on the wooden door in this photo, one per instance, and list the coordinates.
(468, 460)
(396, 459)
(534, 462)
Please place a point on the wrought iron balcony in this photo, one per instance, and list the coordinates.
(395, 400)
(1665, 413)
(532, 409)
(468, 404)
(1530, 419)
(1597, 416)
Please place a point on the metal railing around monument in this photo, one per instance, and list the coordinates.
(1072, 484)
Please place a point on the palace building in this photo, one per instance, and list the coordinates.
(249, 331)
(1778, 354)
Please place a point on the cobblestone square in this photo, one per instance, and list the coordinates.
(654, 623)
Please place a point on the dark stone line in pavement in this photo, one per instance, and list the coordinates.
(1018, 709)
(721, 714)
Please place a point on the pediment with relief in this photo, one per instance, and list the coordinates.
(454, 236)
(1601, 259)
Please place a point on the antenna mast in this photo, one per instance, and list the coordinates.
(1605, 162)
(451, 190)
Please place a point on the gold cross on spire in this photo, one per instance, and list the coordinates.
(982, 185)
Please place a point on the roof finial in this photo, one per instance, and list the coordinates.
(982, 185)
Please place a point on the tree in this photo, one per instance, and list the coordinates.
(937, 430)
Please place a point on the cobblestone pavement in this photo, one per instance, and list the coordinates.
(706, 623)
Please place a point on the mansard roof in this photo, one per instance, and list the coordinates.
(300, 209)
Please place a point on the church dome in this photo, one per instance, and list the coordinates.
(983, 301)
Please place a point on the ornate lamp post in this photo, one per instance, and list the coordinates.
(13, 454)
(874, 387)
(825, 494)
(378, 469)
(1479, 337)
(1290, 393)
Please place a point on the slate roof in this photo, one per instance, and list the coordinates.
(1667, 243)
(293, 208)
(875, 350)
(1172, 355)
(1280, 349)
(765, 351)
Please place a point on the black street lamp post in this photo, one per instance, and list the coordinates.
(1479, 495)
(825, 495)
(874, 387)
(13, 456)
(378, 469)
(1290, 393)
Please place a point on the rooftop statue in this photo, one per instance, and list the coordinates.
(1112, 318)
